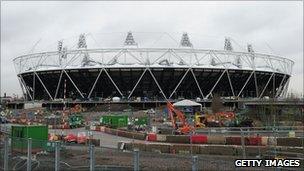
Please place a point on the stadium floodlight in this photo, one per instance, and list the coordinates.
(130, 40)
(185, 41)
(228, 45)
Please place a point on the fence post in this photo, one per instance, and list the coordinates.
(6, 153)
(136, 160)
(243, 144)
(57, 156)
(194, 163)
(29, 154)
(92, 157)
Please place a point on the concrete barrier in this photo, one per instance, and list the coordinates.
(293, 142)
(102, 128)
(233, 140)
(139, 136)
(264, 141)
(178, 139)
(184, 149)
(158, 147)
(198, 139)
(216, 139)
(272, 141)
(161, 138)
(140, 146)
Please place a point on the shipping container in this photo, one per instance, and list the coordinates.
(20, 135)
(114, 121)
(141, 121)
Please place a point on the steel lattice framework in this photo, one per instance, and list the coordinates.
(155, 73)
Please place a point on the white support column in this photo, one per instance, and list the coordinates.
(256, 85)
(137, 83)
(73, 83)
(266, 85)
(113, 82)
(245, 84)
(198, 86)
(180, 81)
(43, 85)
(22, 88)
(286, 88)
(58, 85)
(232, 90)
(34, 86)
(218, 80)
(157, 84)
(26, 88)
(273, 85)
(280, 87)
(94, 84)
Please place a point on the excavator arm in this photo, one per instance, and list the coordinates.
(175, 113)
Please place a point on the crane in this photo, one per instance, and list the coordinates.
(174, 113)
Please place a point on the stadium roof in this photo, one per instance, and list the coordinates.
(186, 103)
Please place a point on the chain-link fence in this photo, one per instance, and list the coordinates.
(31, 154)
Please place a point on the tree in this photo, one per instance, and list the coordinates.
(216, 104)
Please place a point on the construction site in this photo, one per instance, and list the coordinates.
(151, 109)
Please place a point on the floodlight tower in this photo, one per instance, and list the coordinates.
(129, 43)
(228, 45)
(61, 51)
(130, 40)
(59, 48)
(185, 41)
(82, 44)
(251, 51)
(249, 48)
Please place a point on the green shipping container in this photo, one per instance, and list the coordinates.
(141, 121)
(105, 120)
(20, 135)
(114, 121)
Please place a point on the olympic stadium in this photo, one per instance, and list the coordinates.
(132, 72)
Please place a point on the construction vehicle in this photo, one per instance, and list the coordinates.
(175, 114)
(70, 138)
(76, 121)
(80, 138)
(200, 120)
(214, 120)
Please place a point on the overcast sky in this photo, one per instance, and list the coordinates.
(272, 27)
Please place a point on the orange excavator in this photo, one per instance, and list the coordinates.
(175, 114)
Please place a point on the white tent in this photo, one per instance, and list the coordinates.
(185, 103)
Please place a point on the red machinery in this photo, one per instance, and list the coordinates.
(174, 113)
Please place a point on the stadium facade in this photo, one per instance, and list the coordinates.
(131, 72)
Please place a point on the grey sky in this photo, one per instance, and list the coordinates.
(277, 24)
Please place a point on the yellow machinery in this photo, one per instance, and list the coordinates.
(199, 120)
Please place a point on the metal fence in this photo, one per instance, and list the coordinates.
(30, 154)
